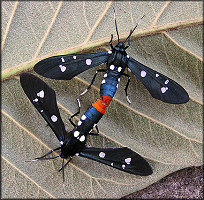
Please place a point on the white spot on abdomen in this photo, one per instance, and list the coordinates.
(164, 89)
(105, 75)
(143, 73)
(82, 138)
(123, 166)
(110, 52)
(41, 94)
(112, 67)
(88, 61)
(103, 81)
(111, 164)
(102, 155)
(76, 133)
(79, 123)
(74, 57)
(157, 75)
(62, 68)
(83, 117)
(54, 118)
(128, 160)
(119, 69)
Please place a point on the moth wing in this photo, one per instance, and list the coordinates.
(65, 67)
(44, 99)
(160, 86)
(121, 158)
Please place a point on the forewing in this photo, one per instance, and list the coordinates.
(44, 99)
(65, 67)
(159, 86)
(121, 158)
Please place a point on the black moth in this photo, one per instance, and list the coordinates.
(44, 99)
(65, 67)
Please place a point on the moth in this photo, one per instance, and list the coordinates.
(73, 142)
(65, 67)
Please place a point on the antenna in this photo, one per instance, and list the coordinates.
(131, 31)
(63, 178)
(116, 24)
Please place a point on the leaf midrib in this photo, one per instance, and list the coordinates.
(28, 66)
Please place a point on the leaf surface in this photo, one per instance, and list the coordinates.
(169, 40)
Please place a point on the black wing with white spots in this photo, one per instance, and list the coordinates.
(159, 86)
(44, 99)
(65, 67)
(121, 158)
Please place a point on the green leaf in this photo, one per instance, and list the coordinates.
(168, 40)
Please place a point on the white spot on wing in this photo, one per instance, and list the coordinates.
(109, 52)
(143, 73)
(164, 89)
(82, 138)
(111, 164)
(105, 75)
(157, 75)
(62, 59)
(61, 142)
(41, 111)
(103, 81)
(83, 117)
(119, 69)
(128, 160)
(54, 118)
(76, 133)
(102, 155)
(118, 79)
(123, 166)
(129, 70)
(35, 100)
(88, 61)
(62, 68)
(74, 57)
(41, 94)
(167, 81)
(127, 56)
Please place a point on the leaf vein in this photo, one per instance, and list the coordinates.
(26, 176)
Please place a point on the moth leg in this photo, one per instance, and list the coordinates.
(42, 157)
(100, 70)
(111, 41)
(70, 118)
(95, 133)
(126, 87)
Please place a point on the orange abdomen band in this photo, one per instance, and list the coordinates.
(101, 104)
